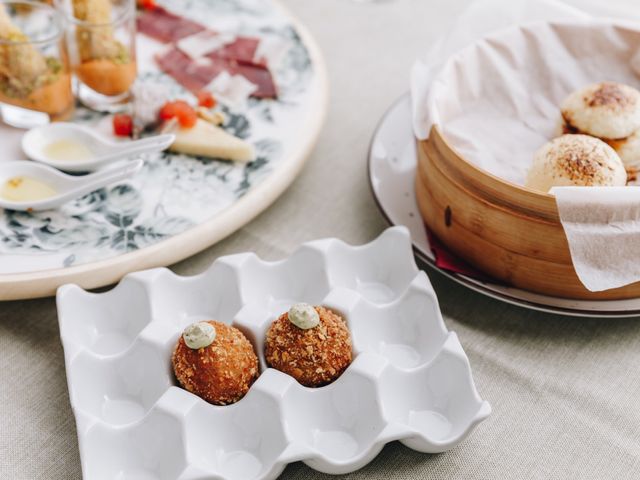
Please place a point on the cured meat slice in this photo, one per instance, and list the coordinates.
(203, 43)
(258, 75)
(236, 57)
(191, 74)
(194, 75)
(161, 24)
(242, 49)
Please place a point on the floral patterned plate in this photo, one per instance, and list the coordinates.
(177, 205)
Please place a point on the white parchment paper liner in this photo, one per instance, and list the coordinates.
(604, 238)
(494, 85)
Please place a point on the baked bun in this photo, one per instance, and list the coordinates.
(606, 110)
(628, 149)
(576, 160)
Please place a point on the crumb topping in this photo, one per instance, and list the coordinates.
(611, 95)
(220, 373)
(581, 159)
(314, 357)
(15, 182)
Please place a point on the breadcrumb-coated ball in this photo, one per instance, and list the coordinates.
(220, 373)
(314, 357)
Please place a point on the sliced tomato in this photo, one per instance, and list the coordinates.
(186, 115)
(122, 125)
(206, 99)
(147, 4)
(169, 110)
(187, 118)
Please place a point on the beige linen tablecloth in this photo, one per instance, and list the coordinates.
(565, 392)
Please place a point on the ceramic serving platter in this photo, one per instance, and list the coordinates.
(392, 167)
(176, 205)
(410, 379)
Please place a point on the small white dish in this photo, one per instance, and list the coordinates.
(99, 150)
(410, 379)
(66, 187)
(392, 166)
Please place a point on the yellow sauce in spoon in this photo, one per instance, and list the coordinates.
(25, 189)
(68, 151)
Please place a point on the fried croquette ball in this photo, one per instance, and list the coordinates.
(312, 344)
(215, 361)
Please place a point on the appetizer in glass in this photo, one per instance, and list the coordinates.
(35, 81)
(101, 43)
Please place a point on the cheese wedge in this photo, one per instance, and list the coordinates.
(207, 140)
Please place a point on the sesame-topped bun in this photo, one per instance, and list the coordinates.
(605, 110)
(576, 160)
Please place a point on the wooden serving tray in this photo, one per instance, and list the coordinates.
(510, 232)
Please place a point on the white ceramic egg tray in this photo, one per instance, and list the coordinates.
(410, 379)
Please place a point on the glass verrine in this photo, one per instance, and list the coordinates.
(101, 40)
(35, 80)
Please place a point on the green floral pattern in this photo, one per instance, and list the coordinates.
(174, 192)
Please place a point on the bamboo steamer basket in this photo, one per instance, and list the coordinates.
(510, 232)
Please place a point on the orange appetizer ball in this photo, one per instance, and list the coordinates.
(312, 344)
(215, 361)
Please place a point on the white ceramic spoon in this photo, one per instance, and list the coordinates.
(67, 187)
(102, 150)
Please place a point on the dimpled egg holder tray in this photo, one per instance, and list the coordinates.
(410, 380)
